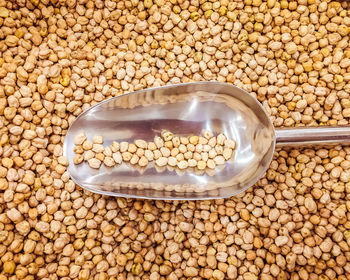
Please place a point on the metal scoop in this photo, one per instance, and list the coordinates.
(187, 109)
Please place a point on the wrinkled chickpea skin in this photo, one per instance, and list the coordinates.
(174, 152)
(58, 58)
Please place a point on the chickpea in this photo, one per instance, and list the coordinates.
(59, 58)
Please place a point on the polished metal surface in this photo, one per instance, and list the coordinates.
(184, 109)
(187, 109)
(313, 136)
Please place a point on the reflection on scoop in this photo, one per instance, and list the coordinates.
(185, 109)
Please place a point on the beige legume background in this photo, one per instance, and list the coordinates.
(57, 58)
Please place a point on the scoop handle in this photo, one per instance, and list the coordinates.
(313, 136)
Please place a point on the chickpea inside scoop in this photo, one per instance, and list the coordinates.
(201, 152)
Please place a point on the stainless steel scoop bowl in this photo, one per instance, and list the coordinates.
(187, 109)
